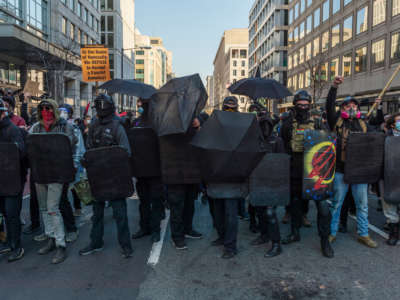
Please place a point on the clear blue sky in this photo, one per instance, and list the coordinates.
(191, 29)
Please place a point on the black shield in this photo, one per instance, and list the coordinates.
(228, 190)
(145, 160)
(392, 167)
(364, 158)
(50, 157)
(319, 164)
(109, 173)
(270, 181)
(10, 170)
(230, 147)
(179, 164)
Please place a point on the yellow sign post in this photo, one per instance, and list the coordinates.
(95, 63)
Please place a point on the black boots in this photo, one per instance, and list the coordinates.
(326, 248)
(275, 250)
(293, 237)
(393, 234)
(60, 256)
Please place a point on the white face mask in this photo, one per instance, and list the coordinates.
(64, 115)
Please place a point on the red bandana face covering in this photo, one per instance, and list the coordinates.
(48, 119)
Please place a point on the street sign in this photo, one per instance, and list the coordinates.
(95, 63)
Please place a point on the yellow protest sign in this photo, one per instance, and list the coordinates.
(95, 63)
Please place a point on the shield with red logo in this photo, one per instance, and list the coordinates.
(319, 164)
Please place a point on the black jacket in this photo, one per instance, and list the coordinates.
(9, 133)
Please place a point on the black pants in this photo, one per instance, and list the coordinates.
(66, 211)
(242, 207)
(323, 219)
(252, 214)
(150, 191)
(269, 224)
(10, 206)
(211, 206)
(34, 205)
(226, 219)
(121, 219)
(77, 201)
(181, 201)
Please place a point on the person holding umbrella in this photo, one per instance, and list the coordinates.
(292, 133)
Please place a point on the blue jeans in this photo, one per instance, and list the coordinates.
(360, 194)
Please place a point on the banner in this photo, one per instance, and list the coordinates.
(95, 63)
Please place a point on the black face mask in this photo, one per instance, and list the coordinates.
(104, 109)
(302, 113)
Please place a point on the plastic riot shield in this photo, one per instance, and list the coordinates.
(50, 157)
(10, 170)
(364, 158)
(269, 183)
(145, 160)
(392, 167)
(109, 173)
(319, 164)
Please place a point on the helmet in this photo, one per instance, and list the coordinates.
(104, 105)
(348, 100)
(3, 106)
(230, 103)
(10, 100)
(301, 95)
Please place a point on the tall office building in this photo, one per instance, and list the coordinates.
(40, 41)
(359, 40)
(268, 25)
(231, 65)
(210, 91)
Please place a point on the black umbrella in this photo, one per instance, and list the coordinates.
(230, 146)
(130, 87)
(260, 88)
(173, 107)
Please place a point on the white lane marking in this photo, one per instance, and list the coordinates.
(374, 229)
(157, 247)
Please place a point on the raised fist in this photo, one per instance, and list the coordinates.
(337, 81)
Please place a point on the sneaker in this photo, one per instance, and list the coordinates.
(228, 254)
(72, 236)
(78, 212)
(331, 239)
(89, 250)
(31, 230)
(50, 246)
(367, 241)
(180, 245)
(193, 235)
(260, 240)
(127, 252)
(40, 238)
(16, 255)
(60, 256)
(4, 248)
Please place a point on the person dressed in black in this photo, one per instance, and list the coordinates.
(269, 225)
(292, 133)
(11, 205)
(107, 131)
(149, 190)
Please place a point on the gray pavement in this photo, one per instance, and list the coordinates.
(300, 272)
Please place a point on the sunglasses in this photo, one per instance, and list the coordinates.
(46, 107)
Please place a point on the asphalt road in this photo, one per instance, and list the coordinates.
(300, 272)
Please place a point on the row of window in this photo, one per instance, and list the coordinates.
(299, 8)
(83, 12)
(235, 63)
(360, 58)
(236, 53)
(75, 33)
(242, 73)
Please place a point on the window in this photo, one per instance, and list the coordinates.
(379, 12)
(361, 60)
(243, 53)
(325, 11)
(378, 54)
(295, 60)
(289, 62)
(309, 24)
(296, 34)
(234, 72)
(308, 51)
(346, 64)
(243, 63)
(79, 9)
(307, 78)
(110, 23)
(85, 39)
(140, 52)
(85, 15)
(395, 49)
(290, 39)
(324, 71)
(139, 71)
(289, 82)
(302, 30)
(334, 68)
(140, 61)
(234, 63)
(335, 35)
(317, 16)
(71, 4)
(325, 41)
(110, 4)
(302, 6)
(72, 31)
(309, 2)
(36, 14)
(316, 46)
(301, 55)
(348, 28)
(362, 20)
(243, 73)
(103, 23)
(295, 82)
(91, 22)
(78, 36)
(64, 25)
(335, 6)
(291, 16)
(345, 2)
(301, 80)
(296, 10)
(395, 7)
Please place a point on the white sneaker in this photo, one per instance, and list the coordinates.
(71, 236)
